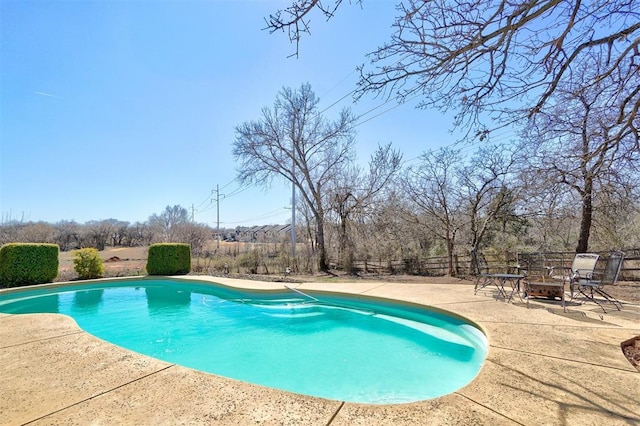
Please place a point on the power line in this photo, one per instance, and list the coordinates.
(385, 111)
(228, 183)
(204, 201)
(229, 195)
(238, 190)
(343, 97)
(340, 82)
(209, 208)
(267, 215)
(411, 159)
(336, 102)
(493, 139)
(199, 207)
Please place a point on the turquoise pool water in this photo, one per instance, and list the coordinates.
(339, 347)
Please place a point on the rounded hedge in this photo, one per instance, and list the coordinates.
(87, 263)
(169, 259)
(27, 263)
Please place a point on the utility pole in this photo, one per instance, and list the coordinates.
(293, 220)
(218, 195)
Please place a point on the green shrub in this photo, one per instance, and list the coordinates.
(169, 259)
(26, 264)
(87, 263)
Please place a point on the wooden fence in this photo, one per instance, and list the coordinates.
(536, 263)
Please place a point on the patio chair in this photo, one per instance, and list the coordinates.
(480, 269)
(550, 285)
(532, 264)
(590, 288)
(581, 270)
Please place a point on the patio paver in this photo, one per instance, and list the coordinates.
(543, 367)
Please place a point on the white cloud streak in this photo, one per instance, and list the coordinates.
(46, 94)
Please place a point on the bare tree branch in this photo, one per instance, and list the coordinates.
(294, 20)
(497, 59)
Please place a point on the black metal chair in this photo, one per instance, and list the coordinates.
(593, 290)
(480, 269)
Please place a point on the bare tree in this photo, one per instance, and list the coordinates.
(393, 231)
(575, 141)
(118, 232)
(10, 228)
(488, 189)
(355, 193)
(138, 234)
(497, 57)
(197, 235)
(548, 208)
(306, 224)
(293, 141)
(617, 220)
(431, 186)
(168, 225)
(99, 232)
(67, 235)
(38, 232)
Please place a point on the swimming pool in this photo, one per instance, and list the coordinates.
(339, 347)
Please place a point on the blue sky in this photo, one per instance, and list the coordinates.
(116, 109)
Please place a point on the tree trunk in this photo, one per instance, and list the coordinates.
(587, 217)
(450, 248)
(346, 252)
(323, 266)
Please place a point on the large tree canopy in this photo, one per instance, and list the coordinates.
(497, 58)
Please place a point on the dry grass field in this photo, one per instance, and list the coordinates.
(131, 261)
(118, 261)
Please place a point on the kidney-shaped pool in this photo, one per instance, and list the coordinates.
(333, 346)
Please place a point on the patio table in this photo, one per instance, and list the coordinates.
(501, 281)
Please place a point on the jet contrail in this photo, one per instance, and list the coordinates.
(46, 94)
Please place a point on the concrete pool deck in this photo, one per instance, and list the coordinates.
(543, 367)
